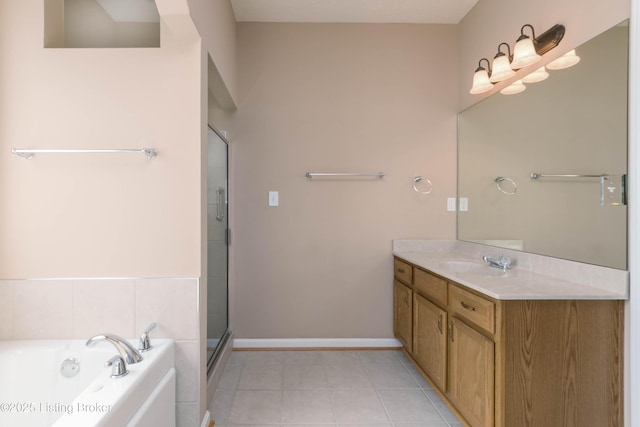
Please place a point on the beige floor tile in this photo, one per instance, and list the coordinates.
(358, 406)
(261, 377)
(305, 377)
(390, 375)
(408, 406)
(307, 406)
(256, 407)
(347, 376)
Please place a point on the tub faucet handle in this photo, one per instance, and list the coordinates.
(145, 343)
(118, 367)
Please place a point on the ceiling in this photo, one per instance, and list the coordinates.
(353, 11)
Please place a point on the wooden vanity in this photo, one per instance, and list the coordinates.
(516, 362)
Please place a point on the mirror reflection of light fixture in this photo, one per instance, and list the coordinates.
(513, 88)
(567, 60)
(537, 76)
(481, 81)
(501, 65)
(524, 52)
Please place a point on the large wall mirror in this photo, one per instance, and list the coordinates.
(570, 130)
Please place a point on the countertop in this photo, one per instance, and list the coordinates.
(514, 284)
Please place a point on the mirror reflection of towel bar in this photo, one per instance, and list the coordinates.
(535, 175)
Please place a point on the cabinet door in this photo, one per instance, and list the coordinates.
(430, 339)
(471, 374)
(402, 301)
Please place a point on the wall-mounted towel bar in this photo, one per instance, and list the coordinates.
(28, 153)
(311, 175)
(535, 175)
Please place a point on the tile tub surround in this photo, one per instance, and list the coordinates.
(80, 308)
(332, 388)
(584, 280)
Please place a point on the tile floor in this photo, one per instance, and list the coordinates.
(326, 388)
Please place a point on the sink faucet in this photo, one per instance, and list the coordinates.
(126, 350)
(501, 261)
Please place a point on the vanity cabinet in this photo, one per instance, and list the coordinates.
(505, 363)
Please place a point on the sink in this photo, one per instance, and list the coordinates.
(471, 267)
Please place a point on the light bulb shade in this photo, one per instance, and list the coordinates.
(567, 60)
(513, 88)
(537, 76)
(524, 53)
(481, 83)
(501, 69)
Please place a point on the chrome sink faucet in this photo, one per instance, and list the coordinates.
(126, 350)
(501, 261)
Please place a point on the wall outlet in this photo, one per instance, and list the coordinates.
(273, 198)
(463, 204)
(451, 204)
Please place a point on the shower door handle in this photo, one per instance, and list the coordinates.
(220, 204)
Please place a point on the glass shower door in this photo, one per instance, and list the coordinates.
(217, 243)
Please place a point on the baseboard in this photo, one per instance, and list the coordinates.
(266, 343)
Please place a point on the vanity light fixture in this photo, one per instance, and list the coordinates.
(524, 52)
(567, 60)
(537, 76)
(502, 65)
(527, 51)
(513, 88)
(481, 81)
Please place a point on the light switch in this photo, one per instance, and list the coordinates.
(463, 204)
(273, 198)
(451, 204)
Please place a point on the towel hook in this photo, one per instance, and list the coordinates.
(419, 179)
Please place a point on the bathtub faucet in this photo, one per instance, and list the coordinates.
(126, 350)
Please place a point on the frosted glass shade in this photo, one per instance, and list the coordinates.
(537, 76)
(513, 88)
(481, 82)
(567, 60)
(524, 54)
(501, 69)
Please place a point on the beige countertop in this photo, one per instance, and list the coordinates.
(515, 284)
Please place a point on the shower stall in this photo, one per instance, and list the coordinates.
(217, 247)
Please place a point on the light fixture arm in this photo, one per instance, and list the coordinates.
(549, 39)
(480, 67)
(523, 35)
(501, 53)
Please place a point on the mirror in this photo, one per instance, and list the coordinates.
(572, 123)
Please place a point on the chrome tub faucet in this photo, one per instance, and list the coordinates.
(126, 350)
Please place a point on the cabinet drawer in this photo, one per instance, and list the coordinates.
(470, 306)
(402, 271)
(430, 286)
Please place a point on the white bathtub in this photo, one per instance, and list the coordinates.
(34, 393)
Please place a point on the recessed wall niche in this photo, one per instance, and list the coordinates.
(101, 23)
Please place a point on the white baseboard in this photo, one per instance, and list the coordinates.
(316, 343)
(206, 419)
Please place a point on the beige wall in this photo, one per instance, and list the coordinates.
(216, 24)
(103, 215)
(332, 98)
(491, 22)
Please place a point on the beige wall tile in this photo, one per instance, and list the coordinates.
(6, 310)
(42, 309)
(187, 367)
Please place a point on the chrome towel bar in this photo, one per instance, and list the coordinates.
(310, 175)
(535, 175)
(28, 153)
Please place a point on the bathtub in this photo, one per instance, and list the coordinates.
(65, 384)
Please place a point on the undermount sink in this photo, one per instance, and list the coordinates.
(471, 267)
